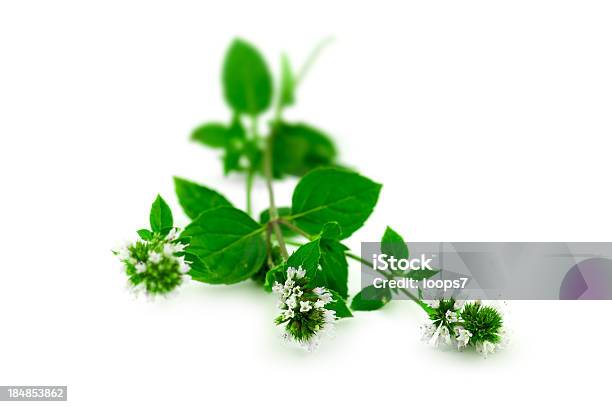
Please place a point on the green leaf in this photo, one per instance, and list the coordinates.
(371, 298)
(421, 274)
(246, 78)
(195, 198)
(393, 244)
(299, 148)
(339, 305)
(228, 243)
(331, 230)
(334, 267)
(328, 195)
(283, 211)
(277, 273)
(161, 216)
(287, 83)
(211, 134)
(306, 256)
(145, 234)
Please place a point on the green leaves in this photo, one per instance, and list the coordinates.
(299, 148)
(371, 298)
(247, 82)
(228, 243)
(211, 134)
(287, 83)
(333, 195)
(160, 217)
(195, 198)
(392, 244)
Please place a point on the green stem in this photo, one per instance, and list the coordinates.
(249, 189)
(273, 210)
(311, 59)
(296, 229)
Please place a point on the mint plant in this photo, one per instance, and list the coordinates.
(224, 244)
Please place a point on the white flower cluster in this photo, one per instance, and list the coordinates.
(448, 329)
(156, 266)
(303, 314)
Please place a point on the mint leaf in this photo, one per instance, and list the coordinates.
(287, 83)
(277, 273)
(211, 134)
(247, 81)
(393, 244)
(306, 256)
(299, 148)
(145, 234)
(339, 305)
(328, 195)
(264, 217)
(331, 230)
(161, 216)
(334, 267)
(228, 243)
(195, 198)
(371, 298)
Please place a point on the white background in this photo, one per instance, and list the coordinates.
(485, 121)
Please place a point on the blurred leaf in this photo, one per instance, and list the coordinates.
(195, 198)
(160, 217)
(247, 81)
(145, 234)
(211, 134)
(299, 148)
(287, 83)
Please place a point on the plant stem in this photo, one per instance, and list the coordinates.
(296, 229)
(273, 211)
(249, 188)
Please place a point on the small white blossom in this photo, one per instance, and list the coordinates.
(291, 302)
(297, 291)
(451, 316)
(172, 234)
(141, 267)
(428, 331)
(183, 265)
(123, 253)
(278, 288)
(326, 297)
(305, 306)
(462, 336)
(319, 304)
(444, 335)
(287, 314)
(155, 257)
(485, 348)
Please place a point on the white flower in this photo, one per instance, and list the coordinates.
(172, 234)
(297, 291)
(485, 348)
(291, 302)
(318, 290)
(183, 265)
(330, 316)
(462, 336)
(168, 249)
(155, 257)
(305, 306)
(288, 314)
(140, 267)
(278, 288)
(451, 316)
(444, 336)
(319, 304)
(186, 278)
(297, 274)
(428, 331)
(326, 297)
(123, 253)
